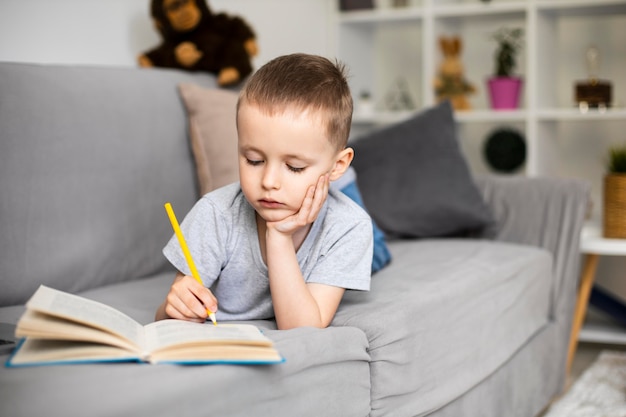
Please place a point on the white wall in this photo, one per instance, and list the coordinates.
(114, 32)
(106, 32)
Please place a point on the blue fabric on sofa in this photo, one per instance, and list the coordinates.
(381, 252)
(348, 184)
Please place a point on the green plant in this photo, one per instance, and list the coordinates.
(509, 42)
(616, 163)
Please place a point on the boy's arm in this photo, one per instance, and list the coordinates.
(297, 303)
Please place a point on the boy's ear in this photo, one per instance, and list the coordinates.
(341, 163)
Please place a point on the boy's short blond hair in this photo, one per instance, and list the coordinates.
(303, 82)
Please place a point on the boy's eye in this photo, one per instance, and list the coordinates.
(295, 169)
(253, 162)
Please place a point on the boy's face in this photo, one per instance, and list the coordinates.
(280, 157)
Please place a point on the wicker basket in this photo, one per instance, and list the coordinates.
(615, 206)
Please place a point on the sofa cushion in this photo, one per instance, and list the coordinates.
(447, 313)
(213, 134)
(88, 157)
(414, 180)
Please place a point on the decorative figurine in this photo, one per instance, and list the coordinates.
(593, 92)
(450, 83)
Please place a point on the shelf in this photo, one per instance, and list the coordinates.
(599, 328)
(479, 9)
(491, 116)
(591, 241)
(582, 7)
(375, 16)
(382, 117)
(577, 115)
(602, 333)
(384, 44)
(472, 116)
(381, 45)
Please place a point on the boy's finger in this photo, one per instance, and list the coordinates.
(203, 298)
(177, 308)
(193, 306)
(208, 300)
(321, 191)
(307, 204)
(196, 298)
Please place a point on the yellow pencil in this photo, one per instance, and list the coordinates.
(183, 246)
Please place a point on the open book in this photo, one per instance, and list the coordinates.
(58, 328)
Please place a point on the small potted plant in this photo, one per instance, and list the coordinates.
(615, 194)
(504, 86)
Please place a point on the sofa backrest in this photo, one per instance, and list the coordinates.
(88, 157)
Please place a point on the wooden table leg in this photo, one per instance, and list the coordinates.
(584, 290)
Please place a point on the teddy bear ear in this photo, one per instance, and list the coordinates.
(443, 43)
(456, 45)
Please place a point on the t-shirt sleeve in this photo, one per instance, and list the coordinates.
(347, 263)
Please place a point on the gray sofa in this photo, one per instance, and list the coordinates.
(451, 327)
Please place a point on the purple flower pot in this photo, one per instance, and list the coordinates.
(504, 92)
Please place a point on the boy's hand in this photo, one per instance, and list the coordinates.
(311, 206)
(187, 300)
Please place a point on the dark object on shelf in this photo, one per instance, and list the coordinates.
(505, 150)
(593, 93)
(356, 4)
(610, 305)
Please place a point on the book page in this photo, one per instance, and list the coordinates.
(166, 333)
(39, 352)
(82, 310)
(44, 326)
(234, 354)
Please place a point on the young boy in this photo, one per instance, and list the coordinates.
(279, 243)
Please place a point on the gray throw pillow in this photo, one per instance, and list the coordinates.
(414, 180)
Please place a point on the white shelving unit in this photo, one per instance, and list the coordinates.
(386, 44)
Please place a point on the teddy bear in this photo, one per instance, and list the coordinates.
(450, 83)
(195, 39)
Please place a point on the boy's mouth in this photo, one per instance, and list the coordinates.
(267, 203)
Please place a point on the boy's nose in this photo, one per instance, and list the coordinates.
(270, 178)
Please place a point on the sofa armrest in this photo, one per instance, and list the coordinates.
(543, 212)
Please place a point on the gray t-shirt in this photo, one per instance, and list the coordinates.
(221, 233)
